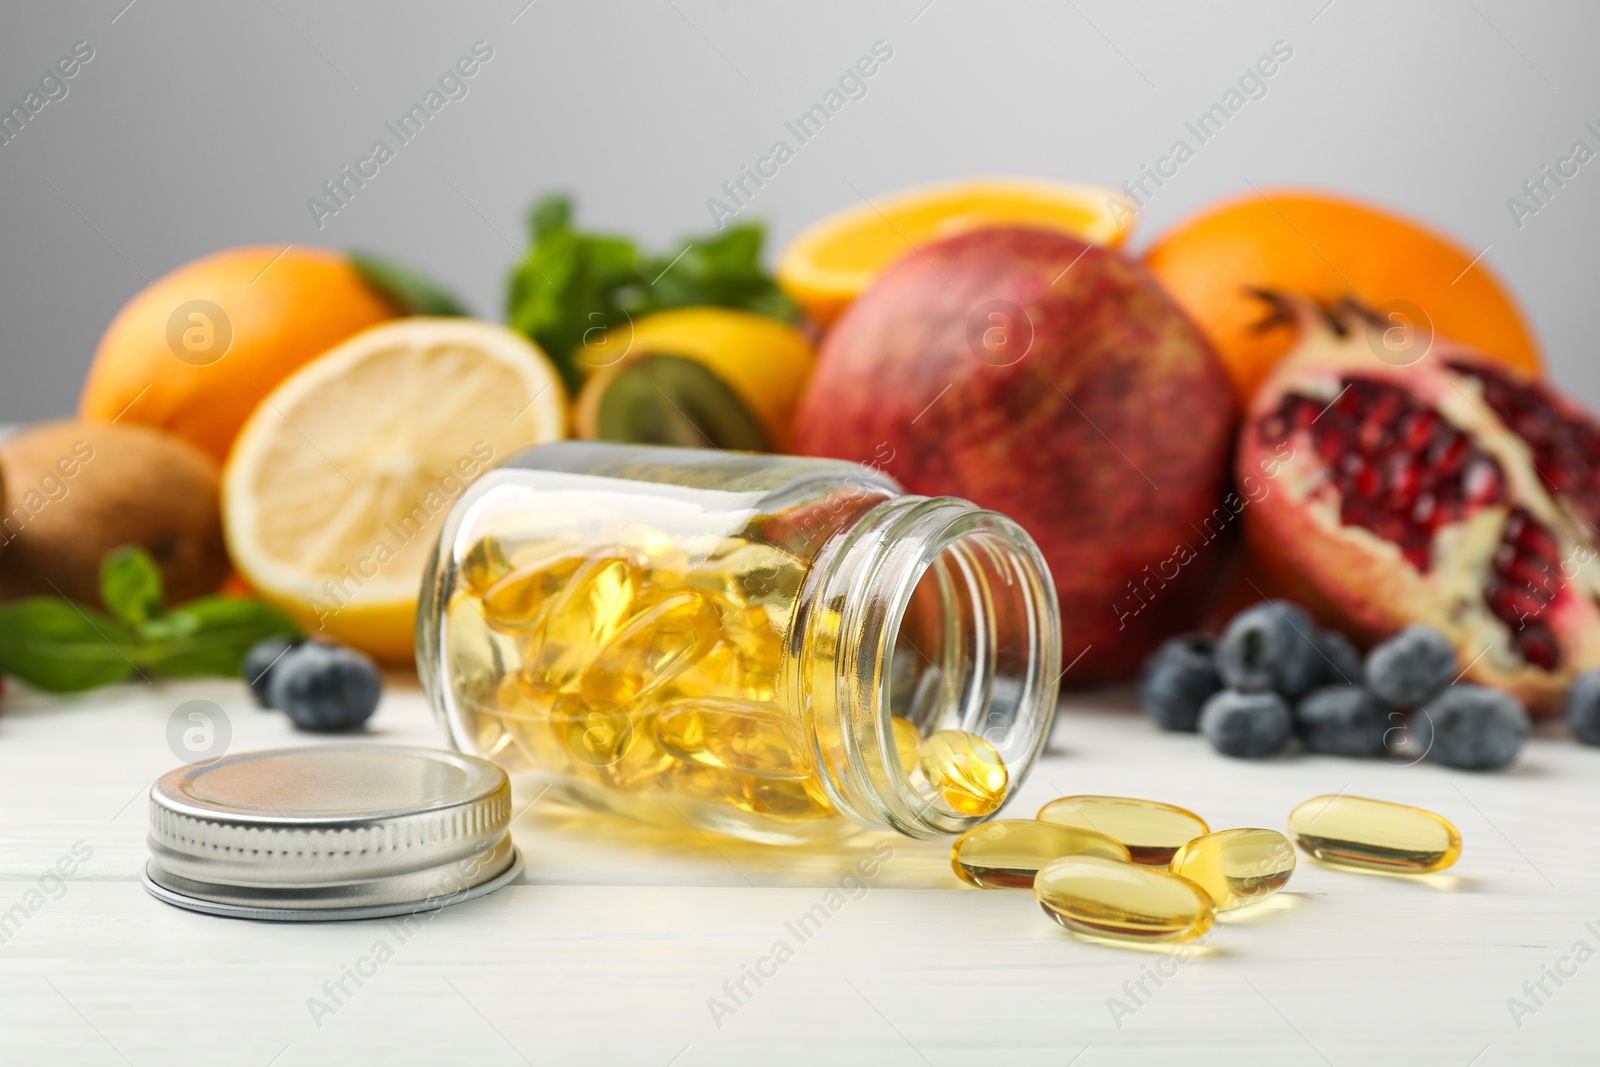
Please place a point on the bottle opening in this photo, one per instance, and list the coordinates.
(942, 616)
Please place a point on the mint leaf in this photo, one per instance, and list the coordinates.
(409, 291)
(59, 647)
(724, 270)
(209, 635)
(130, 585)
(571, 281)
(552, 211)
(566, 284)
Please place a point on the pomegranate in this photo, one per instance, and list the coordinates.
(1453, 491)
(1057, 383)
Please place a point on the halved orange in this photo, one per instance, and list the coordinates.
(836, 258)
(1329, 249)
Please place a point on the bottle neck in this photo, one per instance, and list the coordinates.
(933, 610)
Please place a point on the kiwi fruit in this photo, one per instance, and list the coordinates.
(662, 399)
(78, 490)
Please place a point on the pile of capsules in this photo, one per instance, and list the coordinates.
(1138, 871)
(655, 672)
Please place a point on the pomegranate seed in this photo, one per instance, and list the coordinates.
(1404, 476)
(1353, 513)
(1534, 540)
(1391, 527)
(1368, 482)
(1514, 523)
(1303, 412)
(1539, 647)
(1450, 506)
(1416, 430)
(1482, 483)
(1417, 548)
(1533, 575)
(1378, 422)
(1328, 440)
(1451, 453)
(1515, 607)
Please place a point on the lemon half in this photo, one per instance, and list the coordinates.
(337, 486)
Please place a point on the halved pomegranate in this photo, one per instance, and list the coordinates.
(1453, 491)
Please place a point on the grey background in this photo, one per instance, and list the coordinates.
(202, 125)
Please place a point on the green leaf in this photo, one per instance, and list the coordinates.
(552, 211)
(409, 291)
(570, 281)
(209, 635)
(130, 585)
(566, 284)
(724, 270)
(57, 646)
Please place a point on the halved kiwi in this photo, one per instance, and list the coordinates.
(661, 399)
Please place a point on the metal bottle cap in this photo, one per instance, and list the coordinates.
(330, 832)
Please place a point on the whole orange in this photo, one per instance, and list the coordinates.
(195, 351)
(1329, 249)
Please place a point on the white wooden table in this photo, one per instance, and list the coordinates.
(615, 940)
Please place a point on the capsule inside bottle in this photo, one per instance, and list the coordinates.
(907, 742)
(1374, 835)
(1119, 901)
(1008, 853)
(740, 735)
(1236, 867)
(1152, 831)
(965, 770)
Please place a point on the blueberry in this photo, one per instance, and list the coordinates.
(1177, 679)
(1583, 708)
(1269, 646)
(1471, 727)
(325, 687)
(1408, 669)
(1246, 725)
(1341, 662)
(259, 663)
(1343, 720)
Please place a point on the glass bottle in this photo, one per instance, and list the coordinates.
(764, 646)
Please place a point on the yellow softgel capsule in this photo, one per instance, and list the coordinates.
(907, 742)
(751, 572)
(779, 799)
(1374, 835)
(517, 599)
(741, 735)
(1122, 901)
(751, 631)
(651, 648)
(483, 564)
(1153, 831)
(1236, 867)
(966, 770)
(1007, 853)
(584, 616)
